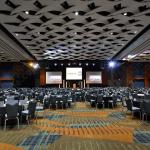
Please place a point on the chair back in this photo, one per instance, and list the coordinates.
(147, 97)
(99, 98)
(2, 98)
(129, 104)
(52, 99)
(65, 98)
(32, 108)
(12, 110)
(46, 102)
(146, 107)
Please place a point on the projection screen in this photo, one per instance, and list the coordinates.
(73, 73)
(53, 77)
(94, 77)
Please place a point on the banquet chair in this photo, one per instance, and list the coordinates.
(11, 113)
(145, 108)
(131, 108)
(100, 101)
(30, 112)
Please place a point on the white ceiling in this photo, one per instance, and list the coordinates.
(51, 30)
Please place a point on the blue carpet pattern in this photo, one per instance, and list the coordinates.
(38, 141)
(55, 116)
(142, 137)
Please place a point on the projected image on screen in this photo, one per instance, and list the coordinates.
(73, 73)
(53, 77)
(94, 77)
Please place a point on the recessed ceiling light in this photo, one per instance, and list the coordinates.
(76, 13)
(125, 14)
(79, 64)
(26, 12)
(17, 34)
(131, 56)
(135, 32)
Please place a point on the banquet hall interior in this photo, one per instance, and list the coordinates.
(74, 74)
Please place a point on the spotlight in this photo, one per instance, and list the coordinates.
(112, 64)
(35, 66)
(31, 64)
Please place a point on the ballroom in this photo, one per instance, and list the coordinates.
(74, 74)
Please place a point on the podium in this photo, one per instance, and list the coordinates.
(74, 85)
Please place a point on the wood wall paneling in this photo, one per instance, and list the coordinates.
(42, 77)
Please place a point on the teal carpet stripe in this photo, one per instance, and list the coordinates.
(142, 137)
(39, 140)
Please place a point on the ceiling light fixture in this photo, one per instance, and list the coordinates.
(125, 14)
(76, 13)
(17, 34)
(26, 12)
(135, 32)
(131, 56)
(112, 64)
(31, 64)
(36, 65)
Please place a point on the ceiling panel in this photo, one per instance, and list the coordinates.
(74, 29)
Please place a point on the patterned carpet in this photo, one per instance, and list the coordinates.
(79, 128)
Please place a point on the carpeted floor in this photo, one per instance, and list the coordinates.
(79, 128)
